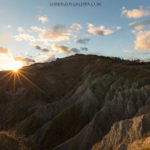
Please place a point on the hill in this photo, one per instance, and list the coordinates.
(81, 102)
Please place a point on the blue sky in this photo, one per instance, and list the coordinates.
(32, 31)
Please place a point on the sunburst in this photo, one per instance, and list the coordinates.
(19, 76)
(14, 66)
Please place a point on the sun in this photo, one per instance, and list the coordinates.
(13, 65)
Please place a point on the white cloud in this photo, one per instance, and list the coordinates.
(75, 27)
(37, 29)
(135, 13)
(57, 33)
(53, 36)
(25, 37)
(43, 19)
(142, 41)
(45, 36)
(98, 31)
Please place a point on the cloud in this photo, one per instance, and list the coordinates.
(98, 31)
(37, 29)
(49, 59)
(137, 27)
(44, 49)
(140, 25)
(45, 36)
(55, 34)
(9, 26)
(83, 41)
(135, 13)
(3, 51)
(5, 38)
(25, 61)
(75, 27)
(133, 31)
(20, 29)
(29, 60)
(65, 49)
(118, 28)
(127, 51)
(84, 49)
(61, 48)
(142, 41)
(74, 50)
(42, 55)
(43, 19)
(26, 37)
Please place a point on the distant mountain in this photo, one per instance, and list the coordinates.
(81, 102)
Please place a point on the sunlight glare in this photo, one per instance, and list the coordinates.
(14, 65)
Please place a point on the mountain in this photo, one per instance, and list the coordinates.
(81, 102)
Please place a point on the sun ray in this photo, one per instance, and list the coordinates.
(14, 82)
(33, 84)
(17, 77)
(7, 81)
(25, 72)
(5, 75)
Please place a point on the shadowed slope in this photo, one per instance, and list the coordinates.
(72, 103)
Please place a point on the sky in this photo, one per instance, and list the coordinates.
(34, 31)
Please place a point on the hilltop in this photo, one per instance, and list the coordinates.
(81, 102)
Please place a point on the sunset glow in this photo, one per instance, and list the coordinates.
(44, 33)
(14, 65)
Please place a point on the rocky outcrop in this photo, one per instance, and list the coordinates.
(127, 135)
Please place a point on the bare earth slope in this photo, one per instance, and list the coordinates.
(81, 102)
